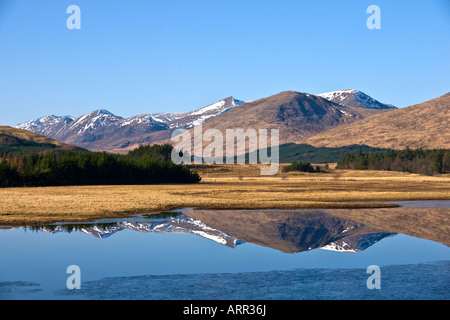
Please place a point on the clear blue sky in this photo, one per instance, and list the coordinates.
(135, 57)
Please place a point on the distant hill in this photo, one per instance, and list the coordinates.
(19, 141)
(423, 125)
(292, 152)
(7, 132)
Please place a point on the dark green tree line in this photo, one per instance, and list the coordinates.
(420, 161)
(302, 166)
(145, 165)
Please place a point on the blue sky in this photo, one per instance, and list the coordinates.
(135, 57)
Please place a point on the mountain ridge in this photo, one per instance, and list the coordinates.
(102, 130)
(297, 115)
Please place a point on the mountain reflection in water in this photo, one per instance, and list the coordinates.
(284, 230)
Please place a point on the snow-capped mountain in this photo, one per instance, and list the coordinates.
(58, 127)
(355, 98)
(46, 125)
(95, 130)
(189, 120)
(103, 130)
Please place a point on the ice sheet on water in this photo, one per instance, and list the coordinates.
(398, 282)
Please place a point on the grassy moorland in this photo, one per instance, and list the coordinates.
(221, 187)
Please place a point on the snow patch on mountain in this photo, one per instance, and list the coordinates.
(48, 120)
(336, 95)
(356, 243)
(351, 97)
(211, 107)
(340, 247)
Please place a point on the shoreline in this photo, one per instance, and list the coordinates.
(222, 187)
(36, 221)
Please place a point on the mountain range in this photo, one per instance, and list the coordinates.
(297, 115)
(331, 119)
(103, 130)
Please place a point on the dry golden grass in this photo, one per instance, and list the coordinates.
(222, 187)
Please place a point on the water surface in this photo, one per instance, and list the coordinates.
(252, 254)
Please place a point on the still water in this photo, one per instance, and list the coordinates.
(242, 254)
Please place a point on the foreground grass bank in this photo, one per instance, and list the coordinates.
(222, 187)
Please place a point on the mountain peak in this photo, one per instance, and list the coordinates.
(103, 111)
(354, 98)
(338, 95)
(289, 94)
(219, 106)
(44, 121)
(235, 101)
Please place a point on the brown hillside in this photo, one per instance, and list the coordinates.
(27, 135)
(425, 125)
(9, 133)
(296, 115)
